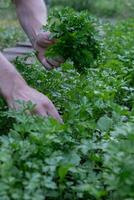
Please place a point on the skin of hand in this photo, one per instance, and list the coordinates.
(41, 45)
(43, 106)
(13, 87)
(32, 14)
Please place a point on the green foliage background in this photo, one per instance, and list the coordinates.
(90, 156)
(114, 8)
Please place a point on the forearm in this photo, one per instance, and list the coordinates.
(32, 15)
(9, 77)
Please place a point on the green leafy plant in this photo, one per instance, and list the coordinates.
(88, 157)
(74, 33)
(118, 162)
(102, 8)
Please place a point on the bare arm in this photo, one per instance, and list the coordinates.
(13, 87)
(32, 15)
(9, 78)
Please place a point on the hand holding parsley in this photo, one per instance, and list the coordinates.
(75, 37)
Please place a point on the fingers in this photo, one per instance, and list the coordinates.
(39, 110)
(46, 112)
(48, 63)
(46, 108)
(42, 43)
(43, 39)
(44, 61)
(53, 63)
(52, 111)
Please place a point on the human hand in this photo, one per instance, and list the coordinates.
(44, 106)
(41, 45)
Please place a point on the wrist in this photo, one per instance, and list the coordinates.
(9, 78)
(33, 38)
(32, 15)
(14, 82)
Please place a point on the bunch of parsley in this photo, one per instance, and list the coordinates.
(75, 36)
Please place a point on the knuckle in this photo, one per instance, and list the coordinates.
(48, 104)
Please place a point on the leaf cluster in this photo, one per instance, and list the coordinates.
(75, 37)
(90, 156)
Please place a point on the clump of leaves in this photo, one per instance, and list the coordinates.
(75, 34)
(90, 156)
(118, 162)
